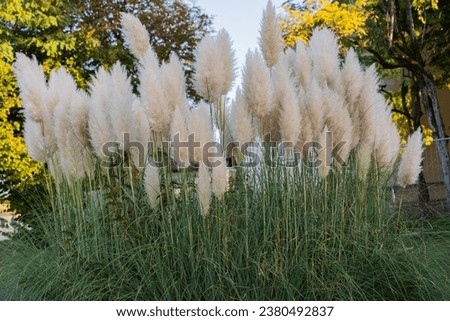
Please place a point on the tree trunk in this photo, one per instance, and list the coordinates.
(424, 195)
(432, 110)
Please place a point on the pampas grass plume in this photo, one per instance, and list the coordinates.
(387, 139)
(141, 133)
(290, 116)
(240, 120)
(368, 102)
(78, 114)
(256, 84)
(324, 51)
(33, 85)
(78, 117)
(270, 38)
(338, 122)
(121, 102)
(301, 64)
(152, 93)
(173, 82)
(34, 141)
(135, 35)
(410, 164)
(99, 123)
(70, 150)
(227, 66)
(53, 95)
(206, 80)
(352, 79)
(314, 107)
(214, 66)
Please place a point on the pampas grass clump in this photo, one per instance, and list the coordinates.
(141, 219)
(270, 39)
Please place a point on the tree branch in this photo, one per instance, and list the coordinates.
(401, 112)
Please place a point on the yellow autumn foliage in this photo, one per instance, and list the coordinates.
(15, 163)
(344, 19)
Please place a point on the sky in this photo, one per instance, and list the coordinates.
(241, 18)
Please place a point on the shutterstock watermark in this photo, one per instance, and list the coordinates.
(184, 152)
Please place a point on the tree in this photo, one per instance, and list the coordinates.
(80, 35)
(173, 25)
(35, 28)
(15, 164)
(398, 34)
(345, 19)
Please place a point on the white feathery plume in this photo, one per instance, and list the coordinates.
(352, 83)
(173, 82)
(324, 155)
(141, 133)
(324, 52)
(35, 141)
(33, 85)
(152, 184)
(368, 101)
(122, 98)
(240, 120)
(227, 71)
(257, 85)
(206, 79)
(286, 93)
(70, 149)
(271, 124)
(135, 35)
(53, 96)
(152, 93)
(202, 128)
(219, 176)
(280, 79)
(204, 188)
(352, 79)
(214, 66)
(35, 98)
(290, 55)
(314, 106)
(180, 125)
(339, 123)
(69, 160)
(78, 116)
(302, 64)
(100, 127)
(270, 38)
(387, 139)
(411, 161)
